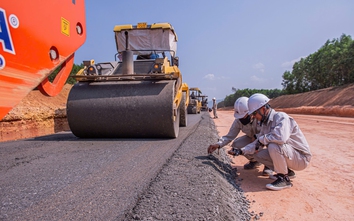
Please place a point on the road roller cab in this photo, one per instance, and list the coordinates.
(140, 94)
(195, 101)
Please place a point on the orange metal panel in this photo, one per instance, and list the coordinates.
(35, 38)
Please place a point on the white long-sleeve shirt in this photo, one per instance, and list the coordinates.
(281, 129)
(249, 129)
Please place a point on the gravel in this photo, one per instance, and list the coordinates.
(193, 185)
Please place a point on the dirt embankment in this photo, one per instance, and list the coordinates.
(335, 101)
(38, 115)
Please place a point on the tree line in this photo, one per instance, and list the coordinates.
(230, 99)
(332, 65)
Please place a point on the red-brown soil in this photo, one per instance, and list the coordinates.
(36, 115)
(336, 101)
(323, 191)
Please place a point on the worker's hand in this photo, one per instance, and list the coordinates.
(258, 145)
(235, 152)
(212, 148)
(260, 140)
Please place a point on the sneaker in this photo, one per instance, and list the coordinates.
(291, 174)
(282, 182)
(251, 165)
(267, 172)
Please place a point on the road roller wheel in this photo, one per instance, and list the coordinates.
(183, 111)
(123, 109)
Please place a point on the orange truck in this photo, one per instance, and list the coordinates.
(36, 38)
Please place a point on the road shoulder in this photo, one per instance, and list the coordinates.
(323, 191)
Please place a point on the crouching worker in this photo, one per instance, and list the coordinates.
(248, 125)
(287, 148)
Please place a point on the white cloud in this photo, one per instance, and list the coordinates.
(289, 64)
(259, 66)
(213, 77)
(209, 77)
(254, 78)
(223, 78)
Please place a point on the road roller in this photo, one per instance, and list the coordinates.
(138, 95)
(195, 102)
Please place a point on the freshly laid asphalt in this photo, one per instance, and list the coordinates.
(61, 177)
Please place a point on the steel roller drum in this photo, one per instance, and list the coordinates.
(122, 109)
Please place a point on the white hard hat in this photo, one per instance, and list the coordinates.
(241, 107)
(256, 101)
(214, 98)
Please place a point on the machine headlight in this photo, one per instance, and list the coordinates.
(91, 70)
(157, 68)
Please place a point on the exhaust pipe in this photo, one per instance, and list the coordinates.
(127, 56)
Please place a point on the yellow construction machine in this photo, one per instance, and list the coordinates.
(140, 94)
(195, 102)
(204, 102)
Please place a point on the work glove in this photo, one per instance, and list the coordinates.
(258, 144)
(212, 148)
(235, 151)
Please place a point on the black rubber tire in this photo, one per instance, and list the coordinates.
(190, 110)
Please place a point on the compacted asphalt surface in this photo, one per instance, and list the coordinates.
(62, 177)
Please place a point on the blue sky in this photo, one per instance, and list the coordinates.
(226, 43)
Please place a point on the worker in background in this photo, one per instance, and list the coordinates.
(215, 107)
(249, 126)
(193, 95)
(287, 148)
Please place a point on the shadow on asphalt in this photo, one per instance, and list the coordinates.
(69, 136)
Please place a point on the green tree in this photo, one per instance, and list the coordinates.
(70, 79)
(230, 99)
(331, 65)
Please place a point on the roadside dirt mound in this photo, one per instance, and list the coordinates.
(334, 101)
(38, 115)
(36, 106)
